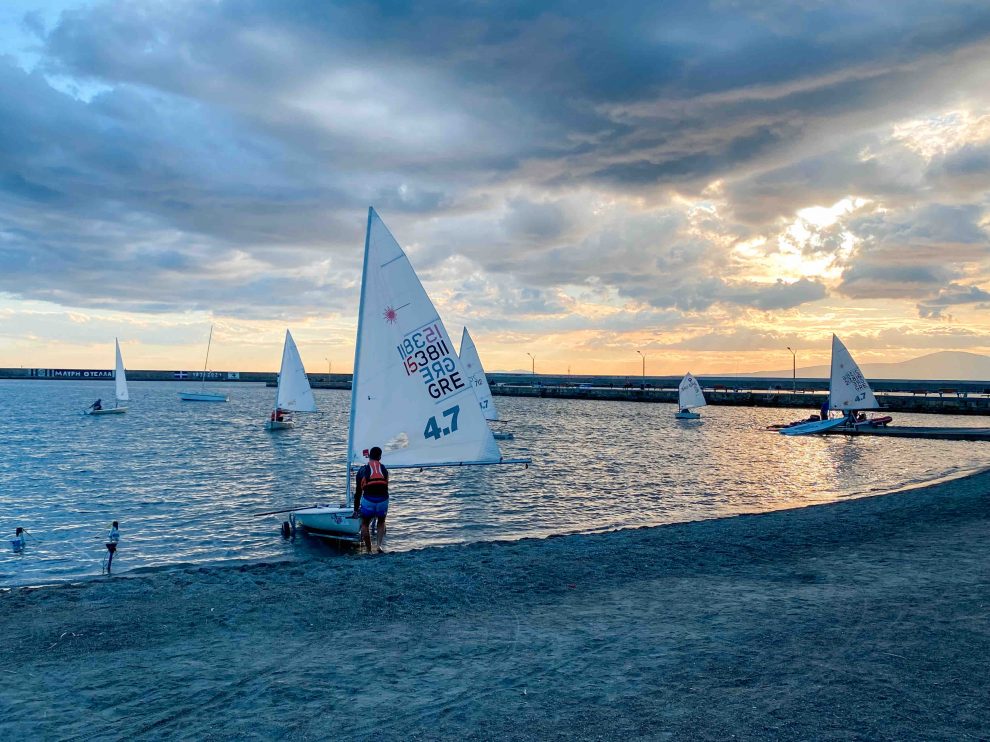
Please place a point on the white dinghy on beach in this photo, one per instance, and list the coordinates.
(120, 387)
(294, 393)
(479, 382)
(410, 394)
(689, 397)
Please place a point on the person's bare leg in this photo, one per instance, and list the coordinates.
(380, 536)
(366, 532)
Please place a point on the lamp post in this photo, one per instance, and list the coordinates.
(329, 368)
(534, 363)
(793, 370)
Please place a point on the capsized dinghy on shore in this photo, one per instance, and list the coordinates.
(410, 394)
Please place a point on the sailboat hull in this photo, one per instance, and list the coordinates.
(202, 397)
(817, 426)
(682, 415)
(108, 411)
(329, 522)
(279, 425)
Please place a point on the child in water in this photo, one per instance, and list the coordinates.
(112, 538)
(17, 543)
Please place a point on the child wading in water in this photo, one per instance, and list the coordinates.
(112, 538)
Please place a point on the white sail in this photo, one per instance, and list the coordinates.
(689, 393)
(476, 376)
(848, 388)
(120, 378)
(411, 395)
(294, 392)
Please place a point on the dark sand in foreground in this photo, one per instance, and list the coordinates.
(866, 619)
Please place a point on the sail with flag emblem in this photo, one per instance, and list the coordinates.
(411, 395)
(848, 388)
(476, 376)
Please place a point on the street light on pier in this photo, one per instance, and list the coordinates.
(793, 370)
(534, 363)
(644, 365)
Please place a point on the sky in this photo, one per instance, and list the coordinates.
(706, 183)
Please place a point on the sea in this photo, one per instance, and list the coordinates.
(186, 480)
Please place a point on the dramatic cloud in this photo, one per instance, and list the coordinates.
(604, 176)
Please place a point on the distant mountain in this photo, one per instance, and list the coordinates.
(947, 364)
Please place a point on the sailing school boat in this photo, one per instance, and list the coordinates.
(410, 393)
(689, 396)
(294, 393)
(479, 382)
(202, 395)
(120, 387)
(848, 392)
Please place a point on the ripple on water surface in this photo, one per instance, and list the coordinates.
(184, 478)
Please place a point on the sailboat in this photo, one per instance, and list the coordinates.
(479, 382)
(410, 394)
(294, 393)
(202, 395)
(848, 392)
(689, 396)
(120, 387)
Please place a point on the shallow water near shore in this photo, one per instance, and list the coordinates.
(185, 478)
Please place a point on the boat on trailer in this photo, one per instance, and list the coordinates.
(689, 397)
(410, 393)
(294, 392)
(120, 387)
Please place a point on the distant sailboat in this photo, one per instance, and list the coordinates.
(479, 382)
(689, 396)
(202, 395)
(294, 393)
(848, 392)
(410, 394)
(120, 387)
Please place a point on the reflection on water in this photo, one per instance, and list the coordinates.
(184, 478)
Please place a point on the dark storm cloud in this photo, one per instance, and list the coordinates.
(225, 149)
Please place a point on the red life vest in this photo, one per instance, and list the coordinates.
(376, 484)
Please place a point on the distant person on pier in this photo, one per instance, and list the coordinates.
(97, 405)
(371, 498)
(112, 538)
(17, 543)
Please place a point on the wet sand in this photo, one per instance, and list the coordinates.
(865, 619)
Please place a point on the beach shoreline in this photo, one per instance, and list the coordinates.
(863, 618)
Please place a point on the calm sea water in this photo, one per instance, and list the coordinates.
(185, 478)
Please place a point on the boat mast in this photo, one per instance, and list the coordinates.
(206, 362)
(357, 353)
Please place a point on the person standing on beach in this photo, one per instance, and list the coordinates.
(112, 538)
(371, 498)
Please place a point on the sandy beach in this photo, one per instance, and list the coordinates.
(864, 619)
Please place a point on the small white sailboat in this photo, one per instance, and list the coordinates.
(848, 392)
(410, 394)
(294, 393)
(120, 387)
(689, 397)
(479, 382)
(202, 395)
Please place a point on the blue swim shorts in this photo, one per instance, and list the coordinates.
(373, 508)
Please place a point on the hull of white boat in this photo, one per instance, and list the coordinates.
(817, 426)
(202, 397)
(279, 424)
(681, 415)
(329, 522)
(504, 436)
(108, 411)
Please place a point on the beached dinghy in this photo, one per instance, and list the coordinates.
(410, 394)
(120, 387)
(202, 395)
(689, 396)
(848, 392)
(294, 393)
(479, 382)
